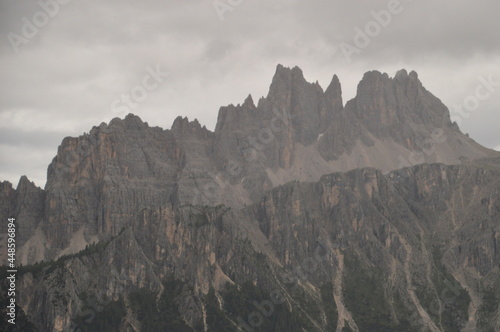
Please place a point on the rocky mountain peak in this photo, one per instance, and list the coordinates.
(408, 81)
(377, 80)
(373, 82)
(25, 184)
(186, 220)
(296, 132)
(285, 80)
(401, 73)
(185, 131)
(5, 186)
(248, 103)
(7, 203)
(398, 107)
(131, 121)
(288, 73)
(333, 94)
(183, 122)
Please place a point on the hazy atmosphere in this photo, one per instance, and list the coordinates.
(68, 65)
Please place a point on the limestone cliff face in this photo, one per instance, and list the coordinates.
(391, 123)
(383, 104)
(296, 195)
(100, 180)
(397, 110)
(257, 138)
(26, 204)
(415, 249)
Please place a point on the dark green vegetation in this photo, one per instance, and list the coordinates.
(329, 306)
(199, 220)
(107, 317)
(48, 267)
(248, 303)
(306, 307)
(22, 322)
(216, 318)
(163, 315)
(447, 302)
(347, 328)
(365, 297)
(488, 309)
(151, 313)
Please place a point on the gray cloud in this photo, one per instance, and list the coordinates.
(66, 77)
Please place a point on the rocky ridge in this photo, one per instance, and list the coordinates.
(415, 249)
(212, 217)
(297, 132)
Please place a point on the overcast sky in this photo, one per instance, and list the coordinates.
(65, 68)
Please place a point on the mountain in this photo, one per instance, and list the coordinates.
(299, 213)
